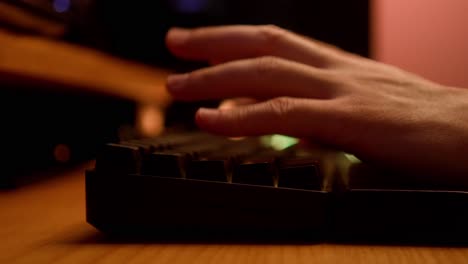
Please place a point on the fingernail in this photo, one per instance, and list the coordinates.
(176, 82)
(178, 36)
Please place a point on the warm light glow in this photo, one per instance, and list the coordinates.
(150, 120)
(62, 153)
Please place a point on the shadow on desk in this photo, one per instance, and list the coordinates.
(95, 237)
(190, 238)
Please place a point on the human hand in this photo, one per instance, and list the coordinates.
(309, 89)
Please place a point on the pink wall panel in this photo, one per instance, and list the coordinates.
(428, 37)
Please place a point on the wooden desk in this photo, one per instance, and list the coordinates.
(45, 223)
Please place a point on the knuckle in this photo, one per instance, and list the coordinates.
(282, 107)
(266, 66)
(271, 36)
(271, 33)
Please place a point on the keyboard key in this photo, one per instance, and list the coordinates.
(144, 147)
(299, 174)
(209, 170)
(171, 141)
(165, 164)
(119, 159)
(202, 149)
(260, 171)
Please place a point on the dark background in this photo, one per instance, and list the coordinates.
(136, 29)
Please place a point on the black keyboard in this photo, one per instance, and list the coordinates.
(193, 185)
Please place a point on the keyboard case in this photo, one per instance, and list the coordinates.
(127, 195)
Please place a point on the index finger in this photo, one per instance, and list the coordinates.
(226, 43)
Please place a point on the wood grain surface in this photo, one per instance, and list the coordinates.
(45, 223)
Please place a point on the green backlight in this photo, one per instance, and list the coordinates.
(279, 142)
(352, 158)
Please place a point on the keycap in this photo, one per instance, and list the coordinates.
(260, 171)
(171, 141)
(144, 147)
(299, 173)
(119, 158)
(201, 149)
(165, 164)
(176, 160)
(241, 149)
(209, 170)
(216, 163)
